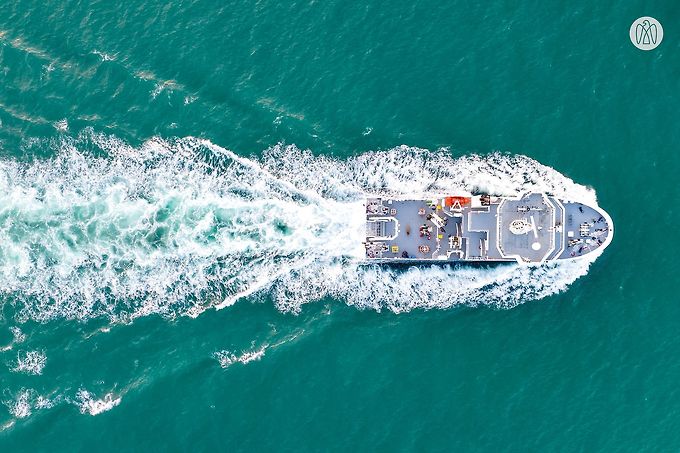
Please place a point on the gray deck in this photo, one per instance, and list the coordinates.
(534, 210)
(531, 228)
(585, 229)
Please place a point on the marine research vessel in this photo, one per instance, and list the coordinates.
(531, 228)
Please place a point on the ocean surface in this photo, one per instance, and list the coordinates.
(180, 226)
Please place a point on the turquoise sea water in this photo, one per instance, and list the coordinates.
(160, 160)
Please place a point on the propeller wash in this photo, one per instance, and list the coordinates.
(175, 227)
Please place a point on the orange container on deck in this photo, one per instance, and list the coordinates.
(462, 201)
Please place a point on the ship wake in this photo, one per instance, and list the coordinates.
(104, 229)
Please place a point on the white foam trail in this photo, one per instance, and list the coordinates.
(17, 337)
(431, 287)
(30, 362)
(164, 85)
(61, 125)
(88, 404)
(176, 227)
(24, 402)
(17, 334)
(227, 358)
(21, 405)
(43, 402)
(104, 56)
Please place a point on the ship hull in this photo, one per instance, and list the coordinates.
(531, 228)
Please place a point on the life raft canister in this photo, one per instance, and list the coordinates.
(462, 201)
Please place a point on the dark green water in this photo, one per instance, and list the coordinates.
(124, 220)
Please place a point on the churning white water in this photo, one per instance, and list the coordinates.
(176, 227)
